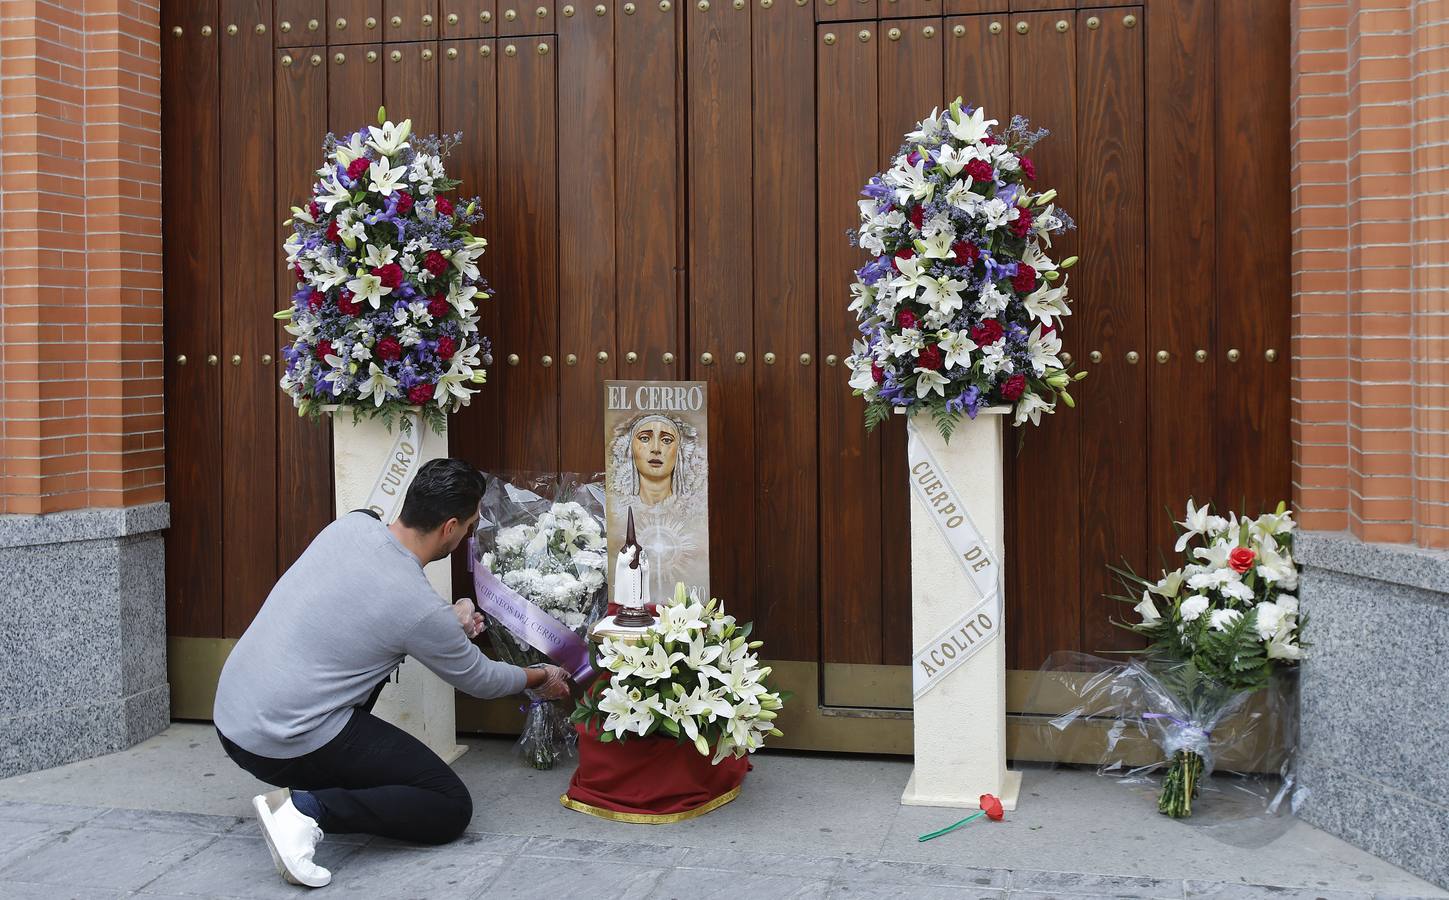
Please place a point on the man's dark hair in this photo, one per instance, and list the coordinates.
(443, 489)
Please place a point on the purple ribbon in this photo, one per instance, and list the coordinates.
(1178, 722)
(532, 625)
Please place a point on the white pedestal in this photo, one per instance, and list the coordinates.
(960, 724)
(419, 702)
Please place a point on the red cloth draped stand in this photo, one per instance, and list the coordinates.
(651, 781)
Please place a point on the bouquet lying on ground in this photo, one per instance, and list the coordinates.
(384, 316)
(543, 537)
(960, 306)
(1219, 628)
(694, 676)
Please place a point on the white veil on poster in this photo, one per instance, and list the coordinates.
(657, 464)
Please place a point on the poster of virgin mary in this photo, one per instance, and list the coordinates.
(657, 466)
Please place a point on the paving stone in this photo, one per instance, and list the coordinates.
(1086, 885)
(712, 884)
(234, 866)
(444, 874)
(158, 820)
(96, 857)
(641, 853)
(1208, 890)
(54, 813)
(814, 867)
(884, 890)
(534, 878)
(853, 871)
(16, 891)
(18, 839)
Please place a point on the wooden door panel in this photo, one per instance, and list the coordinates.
(974, 7)
(299, 23)
(1254, 454)
(978, 65)
(249, 558)
(1181, 270)
(190, 183)
(1043, 557)
(1111, 316)
(304, 448)
(786, 581)
(353, 21)
(587, 314)
(527, 237)
(647, 163)
(466, 18)
(849, 459)
(721, 295)
(912, 74)
(519, 17)
(913, 8)
(848, 10)
(410, 85)
(354, 88)
(409, 20)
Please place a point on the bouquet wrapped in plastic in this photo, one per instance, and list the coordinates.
(542, 537)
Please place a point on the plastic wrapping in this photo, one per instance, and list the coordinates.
(1141, 719)
(542, 534)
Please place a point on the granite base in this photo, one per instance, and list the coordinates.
(1374, 753)
(83, 650)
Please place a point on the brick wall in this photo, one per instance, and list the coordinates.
(1369, 239)
(80, 255)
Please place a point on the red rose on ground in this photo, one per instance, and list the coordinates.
(438, 306)
(435, 262)
(444, 207)
(391, 275)
(1022, 224)
(404, 203)
(316, 299)
(918, 216)
(930, 358)
(1241, 559)
(907, 319)
(988, 332)
(346, 304)
(980, 170)
(966, 253)
(446, 347)
(332, 234)
(388, 348)
(420, 393)
(358, 168)
(1028, 168)
(877, 373)
(903, 253)
(992, 807)
(1025, 280)
(1014, 387)
(324, 350)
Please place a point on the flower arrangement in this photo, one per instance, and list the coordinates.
(552, 552)
(1228, 622)
(384, 317)
(694, 676)
(959, 308)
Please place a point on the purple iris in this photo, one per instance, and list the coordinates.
(876, 189)
(968, 401)
(997, 271)
(875, 270)
(893, 391)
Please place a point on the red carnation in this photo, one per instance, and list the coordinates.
(313, 209)
(1013, 387)
(358, 168)
(435, 262)
(903, 253)
(388, 348)
(297, 270)
(992, 807)
(1025, 280)
(316, 299)
(988, 332)
(966, 252)
(877, 373)
(980, 170)
(912, 158)
(345, 304)
(1022, 224)
(1241, 559)
(446, 348)
(930, 358)
(324, 350)
(990, 140)
(1028, 168)
(419, 394)
(907, 319)
(332, 234)
(391, 275)
(445, 207)
(918, 216)
(404, 203)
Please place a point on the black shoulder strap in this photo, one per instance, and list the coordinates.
(370, 512)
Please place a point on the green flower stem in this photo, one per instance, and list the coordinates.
(1180, 785)
(950, 828)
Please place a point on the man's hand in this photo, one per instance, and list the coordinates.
(548, 682)
(468, 617)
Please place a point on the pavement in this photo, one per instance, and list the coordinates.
(170, 818)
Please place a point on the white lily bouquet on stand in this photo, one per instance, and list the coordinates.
(694, 676)
(542, 537)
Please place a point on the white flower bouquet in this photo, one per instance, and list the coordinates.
(1219, 629)
(543, 538)
(694, 676)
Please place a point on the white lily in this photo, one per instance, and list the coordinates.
(657, 663)
(353, 149)
(1047, 301)
(928, 381)
(1147, 609)
(1283, 647)
(379, 255)
(465, 259)
(861, 297)
(914, 185)
(679, 621)
(370, 288)
(384, 178)
(1169, 584)
(943, 294)
(328, 274)
(970, 129)
(378, 384)
(958, 347)
(1031, 406)
(335, 193)
(1215, 555)
(951, 160)
(927, 128)
(937, 246)
(390, 138)
(1195, 524)
(1044, 350)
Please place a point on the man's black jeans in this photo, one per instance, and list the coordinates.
(373, 778)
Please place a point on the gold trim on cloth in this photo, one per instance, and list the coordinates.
(651, 818)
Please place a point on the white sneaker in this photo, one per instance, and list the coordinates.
(291, 837)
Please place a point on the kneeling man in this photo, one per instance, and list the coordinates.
(293, 706)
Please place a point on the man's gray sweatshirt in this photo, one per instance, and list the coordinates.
(336, 624)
